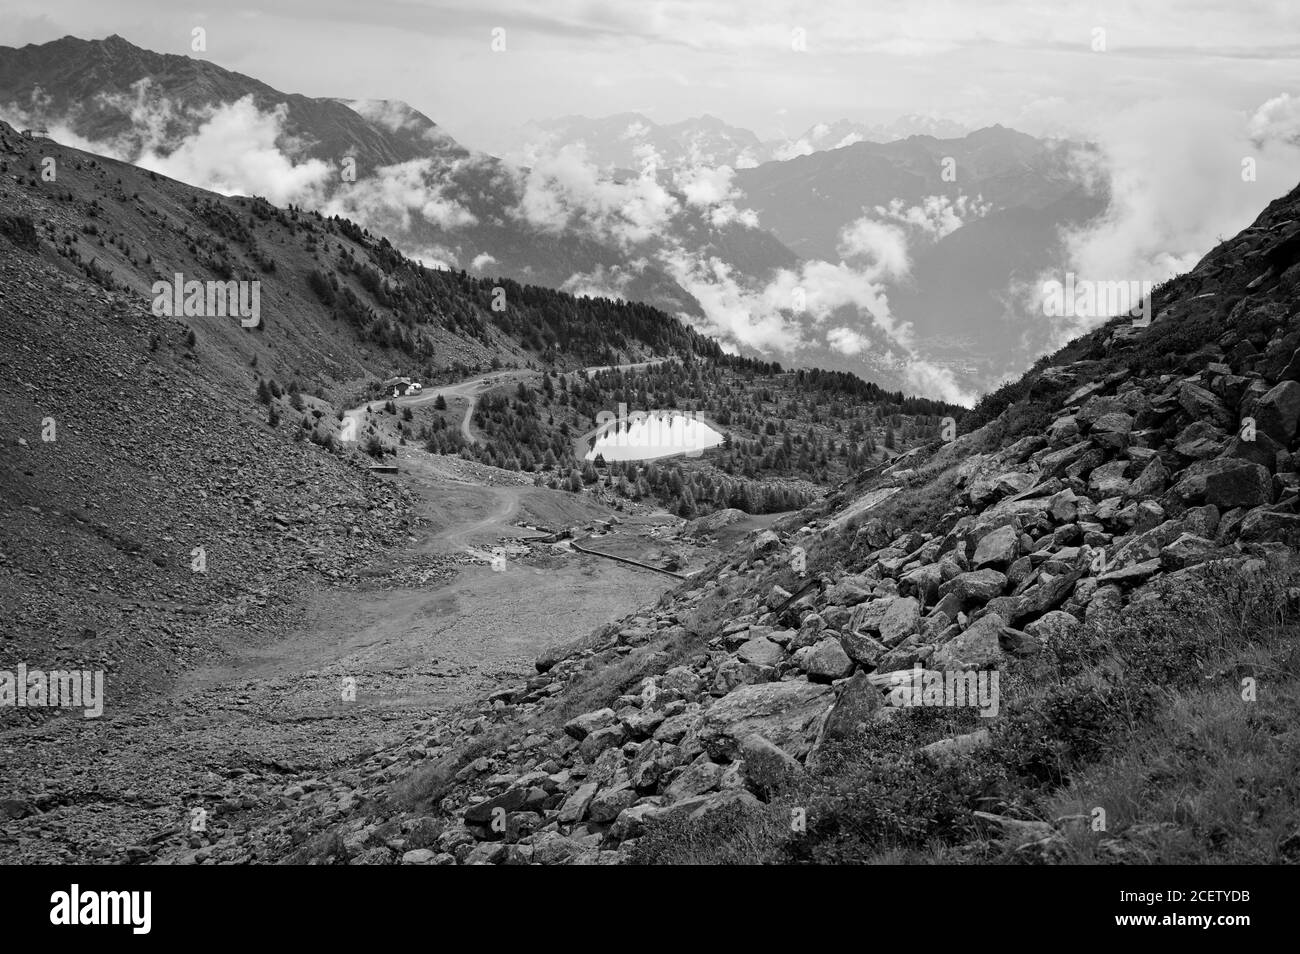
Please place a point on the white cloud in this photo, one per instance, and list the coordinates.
(1174, 171)
(392, 114)
(846, 341)
(935, 216)
(704, 186)
(234, 151)
(388, 198)
(927, 378)
(433, 256)
(564, 190)
(1276, 120)
(885, 246)
(600, 282)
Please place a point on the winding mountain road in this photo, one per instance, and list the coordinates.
(469, 390)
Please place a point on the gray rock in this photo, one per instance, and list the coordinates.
(997, 549)
(977, 647)
(487, 853)
(1242, 485)
(846, 592)
(610, 802)
(631, 822)
(702, 806)
(978, 586)
(767, 768)
(1277, 412)
(826, 660)
(600, 740)
(1151, 481)
(761, 651)
(1054, 627)
(862, 649)
(553, 848)
(901, 619)
(1186, 550)
(949, 750)
(575, 806)
(508, 801)
(700, 776)
(1132, 575)
(581, 726)
(786, 713)
(1202, 405)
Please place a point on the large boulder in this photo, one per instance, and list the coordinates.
(602, 739)
(760, 651)
(508, 801)
(1278, 411)
(631, 822)
(1258, 449)
(957, 747)
(1064, 506)
(700, 776)
(924, 581)
(901, 619)
(847, 592)
(574, 808)
(1111, 430)
(767, 768)
(856, 701)
(1151, 481)
(786, 713)
(611, 802)
(861, 648)
(978, 586)
(701, 806)
(1192, 480)
(1131, 575)
(1263, 524)
(1108, 480)
(1013, 482)
(1047, 594)
(1202, 405)
(1053, 628)
(1242, 485)
(978, 647)
(581, 726)
(826, 660)
(1186, 550)
(997, 549)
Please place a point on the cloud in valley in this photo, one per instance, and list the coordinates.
(1174, 170)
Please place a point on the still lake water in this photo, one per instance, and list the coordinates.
(656, 435)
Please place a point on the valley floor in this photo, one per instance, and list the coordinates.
(434, 625)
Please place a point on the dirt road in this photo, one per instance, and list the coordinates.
(332, 672)
(468, 392)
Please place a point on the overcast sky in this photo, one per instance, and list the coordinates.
(1023, 64)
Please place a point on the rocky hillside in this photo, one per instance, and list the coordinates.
(144, 508)
(338, 304)
(1113, 541)
(135, 440)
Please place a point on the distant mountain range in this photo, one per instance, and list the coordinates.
(848, 248)
(969, 241)
(626, 141)
(441, 202)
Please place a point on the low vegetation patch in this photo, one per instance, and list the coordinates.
(1166, 737)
